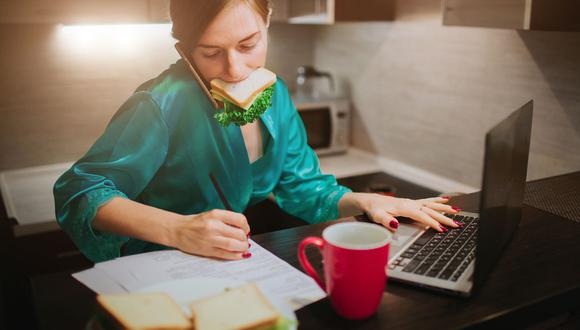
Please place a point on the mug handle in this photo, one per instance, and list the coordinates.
(319, 243)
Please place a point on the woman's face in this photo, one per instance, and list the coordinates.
(233, 46)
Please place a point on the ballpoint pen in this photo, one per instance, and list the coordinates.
(220, 192)
(227, 205)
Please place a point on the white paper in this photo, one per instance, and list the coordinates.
(98, 281)
(263, 268)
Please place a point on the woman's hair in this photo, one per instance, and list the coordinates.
(191, 17)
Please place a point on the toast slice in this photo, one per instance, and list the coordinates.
(245, 92)
(143, 311)
(218, 96)
(244, 307)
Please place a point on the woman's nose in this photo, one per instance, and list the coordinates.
(234, 68)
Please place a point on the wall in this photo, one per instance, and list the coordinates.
(60, 87)
(425, 94)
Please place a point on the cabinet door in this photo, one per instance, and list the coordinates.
(331, 11)
(311, 11)
(512, 14)
(364, 10)
(73, 11)
(307, 7)
(556, 15)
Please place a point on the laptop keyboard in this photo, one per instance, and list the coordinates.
(441, 255)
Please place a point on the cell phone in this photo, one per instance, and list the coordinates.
(189, 63)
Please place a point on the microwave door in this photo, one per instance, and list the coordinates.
(318, 123)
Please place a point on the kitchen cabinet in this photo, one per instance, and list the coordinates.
(154, 11)
(332, 11)
(84, 11)
(557, 15)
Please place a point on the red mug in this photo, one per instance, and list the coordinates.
(355, 256)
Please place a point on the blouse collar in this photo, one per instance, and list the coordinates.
(268, 121)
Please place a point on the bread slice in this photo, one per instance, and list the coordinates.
(218, 96)
(245, 92)
(144, 311)
(244, 307)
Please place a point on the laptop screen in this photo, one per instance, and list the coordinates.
(507, 147)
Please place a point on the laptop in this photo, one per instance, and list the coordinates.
(458, 261)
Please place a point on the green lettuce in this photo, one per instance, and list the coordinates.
(232, 114)
(284, 324)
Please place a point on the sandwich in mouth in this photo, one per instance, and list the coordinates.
(246, 100)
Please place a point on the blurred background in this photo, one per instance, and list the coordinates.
(424, 83)
(396, 97)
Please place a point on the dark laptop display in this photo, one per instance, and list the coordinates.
(507, 146)
(458, 261)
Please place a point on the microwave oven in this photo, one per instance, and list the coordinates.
(327, 124)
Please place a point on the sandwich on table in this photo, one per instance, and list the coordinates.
(243, 307)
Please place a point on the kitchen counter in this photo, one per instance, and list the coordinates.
(27, 193)
(351, 163)
(357, 162)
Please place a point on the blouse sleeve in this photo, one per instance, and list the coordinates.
(120, 164)
(303, 190)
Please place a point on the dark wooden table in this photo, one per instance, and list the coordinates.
(34, 264)
(536, 281)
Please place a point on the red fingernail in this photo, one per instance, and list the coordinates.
(456, 208)
(458, 223)
(443, 228)
(246, 255)
(394, 224)
(248, 235)
(446, 197)
(249, 245)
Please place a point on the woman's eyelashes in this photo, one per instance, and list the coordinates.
(243, 48)
(211, 55)
(248, 46)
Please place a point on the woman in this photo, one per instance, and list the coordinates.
(145, 183)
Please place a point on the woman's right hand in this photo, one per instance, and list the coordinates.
(217, 233)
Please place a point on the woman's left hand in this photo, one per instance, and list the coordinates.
(429, 211)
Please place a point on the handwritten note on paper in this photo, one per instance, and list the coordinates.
(264, 268)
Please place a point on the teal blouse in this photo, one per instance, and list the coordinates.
(159, 149)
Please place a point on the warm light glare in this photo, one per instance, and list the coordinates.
(120, 38)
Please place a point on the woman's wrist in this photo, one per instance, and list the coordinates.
(125, 217)
(351, 204)
(172, 230)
